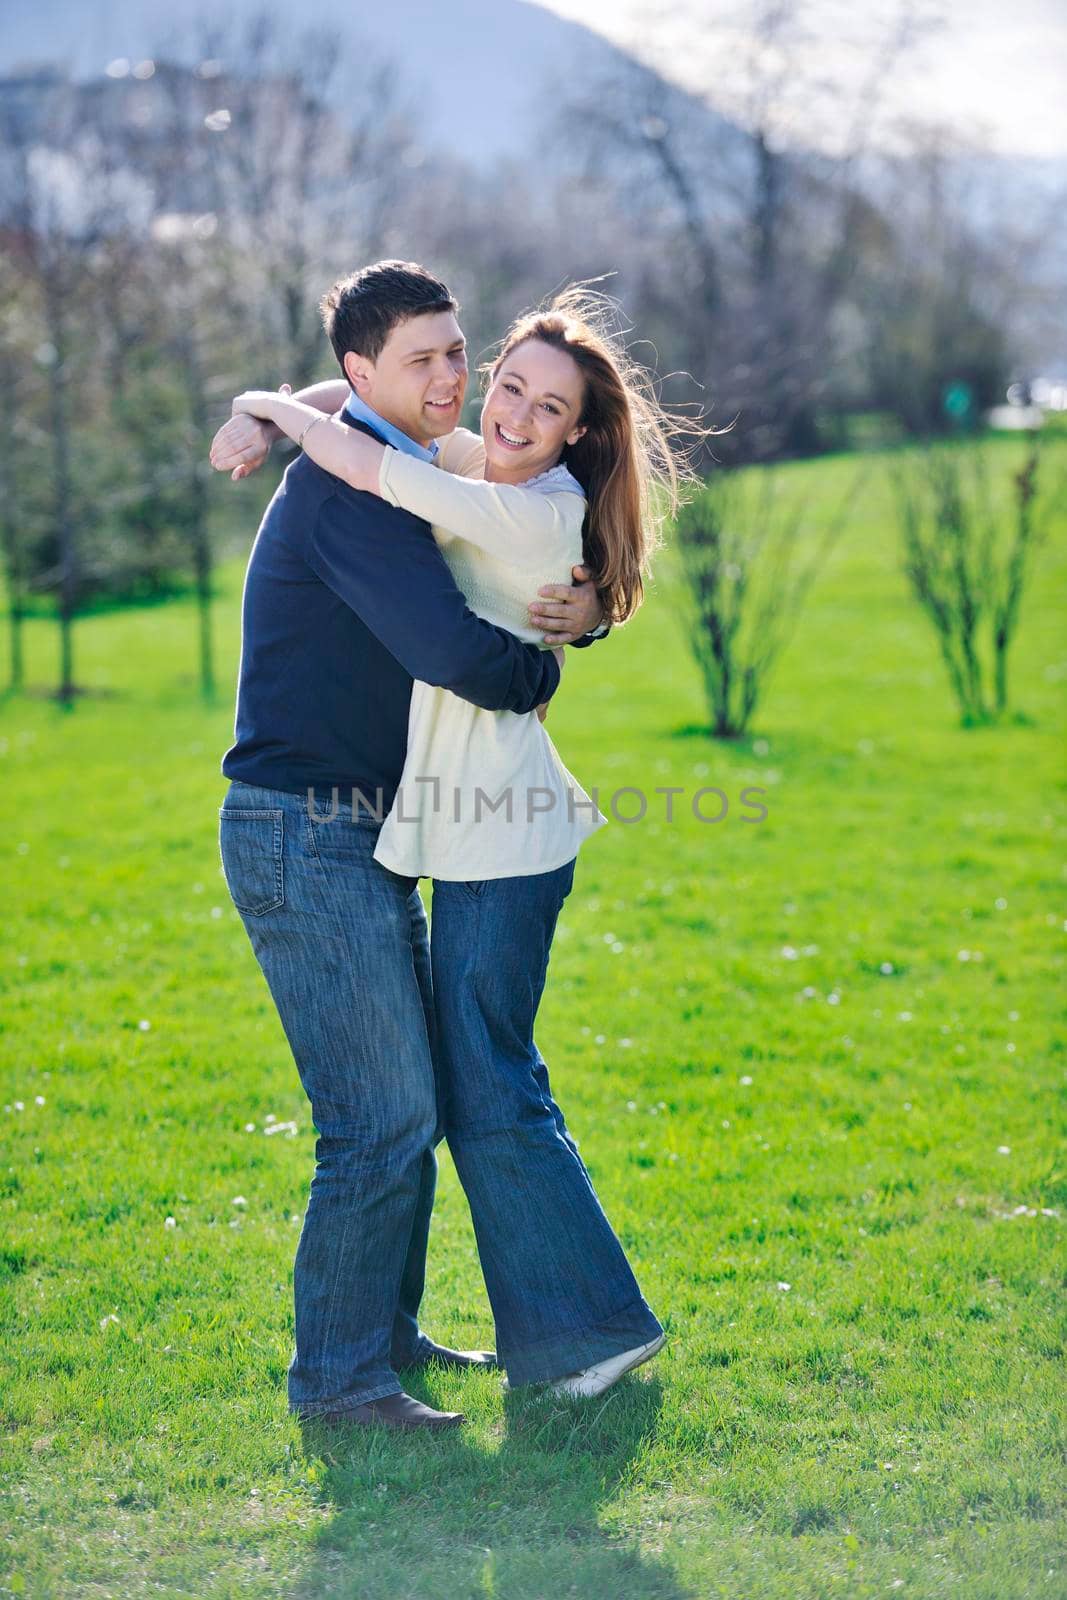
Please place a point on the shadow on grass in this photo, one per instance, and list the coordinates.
(453, 1517)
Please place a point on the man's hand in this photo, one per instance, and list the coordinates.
(567, 611)
(241, 446)
(542, 709)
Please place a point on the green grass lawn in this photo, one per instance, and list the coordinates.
(811, 1063)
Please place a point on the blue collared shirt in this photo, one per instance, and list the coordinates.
(360, 411)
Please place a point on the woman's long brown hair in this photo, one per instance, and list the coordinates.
(632, 461)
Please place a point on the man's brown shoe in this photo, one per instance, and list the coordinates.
(398, 1411)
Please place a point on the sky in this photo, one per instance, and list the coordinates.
(994, 67)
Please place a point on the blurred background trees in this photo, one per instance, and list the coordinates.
(168, 225)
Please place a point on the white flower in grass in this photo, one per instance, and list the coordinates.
(20, 1105)
(788, 953)
(216, 912)
(1003, 1149)
(887, 969)
(599, 1039)
(270, 1117)
(746, 1080)
(238, 1200)
(111, 1317)
(38, 1099)
(784, 1288)
(169, 1222)
(624, 1044)
(288, 1128)
(144, 1026)
(833, 998)
(631, 1105)
(1001, 904)
(250, 1127)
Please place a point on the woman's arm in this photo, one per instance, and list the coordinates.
(242, 445)
(343, 451)
(520, 525)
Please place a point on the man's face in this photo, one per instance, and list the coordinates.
(419, 379)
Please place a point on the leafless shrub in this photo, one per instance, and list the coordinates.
(749, 561)
(967, 563)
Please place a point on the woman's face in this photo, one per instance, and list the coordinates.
(531, 411)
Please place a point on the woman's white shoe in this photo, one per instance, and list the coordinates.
(594, 1380)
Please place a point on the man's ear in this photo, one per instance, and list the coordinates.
(358, 370)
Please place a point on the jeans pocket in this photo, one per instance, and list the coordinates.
(250, 843)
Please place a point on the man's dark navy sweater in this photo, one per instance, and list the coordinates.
(346, 600)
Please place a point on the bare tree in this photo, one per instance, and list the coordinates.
(17, 507)
(300, 193)
(966, 569)
(771, 214)
(749, 560)
(64, 196)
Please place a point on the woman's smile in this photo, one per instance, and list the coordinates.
(510, 441)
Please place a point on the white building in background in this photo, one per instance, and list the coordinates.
(1028, 401)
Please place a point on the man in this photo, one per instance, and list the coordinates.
(346, 600)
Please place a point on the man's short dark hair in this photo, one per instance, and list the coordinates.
(361, 311)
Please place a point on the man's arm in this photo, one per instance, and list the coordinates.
(384, 564)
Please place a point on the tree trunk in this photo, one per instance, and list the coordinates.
(69, 575)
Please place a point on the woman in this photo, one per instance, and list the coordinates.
(574, 452)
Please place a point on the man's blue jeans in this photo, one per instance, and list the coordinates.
(343, 945)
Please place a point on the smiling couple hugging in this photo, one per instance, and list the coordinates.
(404, 605)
